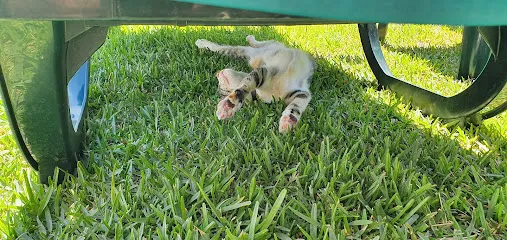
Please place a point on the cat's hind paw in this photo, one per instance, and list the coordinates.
(250, 39)
(226, 108)
(287, 123)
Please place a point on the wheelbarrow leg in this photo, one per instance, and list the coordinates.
(463, 105)
(44, 97)
(474, 54)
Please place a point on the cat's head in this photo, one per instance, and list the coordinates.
(228, 80)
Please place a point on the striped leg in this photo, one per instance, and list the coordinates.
(233, 102)
(297, 103)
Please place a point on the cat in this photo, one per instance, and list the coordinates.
(278, 72)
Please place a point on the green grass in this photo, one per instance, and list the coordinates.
(361, 164)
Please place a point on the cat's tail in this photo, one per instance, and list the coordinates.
(232, 51)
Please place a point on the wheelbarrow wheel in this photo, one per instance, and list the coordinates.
(44, 80)
(69, 129)
(75, 125)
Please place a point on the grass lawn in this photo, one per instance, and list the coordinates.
(361, 164)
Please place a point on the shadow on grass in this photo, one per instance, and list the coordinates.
(357, 154)
(443, 60)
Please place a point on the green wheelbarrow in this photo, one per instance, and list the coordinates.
(45, 47)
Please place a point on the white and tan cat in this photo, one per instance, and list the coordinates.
(278, 73)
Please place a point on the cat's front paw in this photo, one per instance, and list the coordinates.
(227, 107)
(287, 123)
(203, 43)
